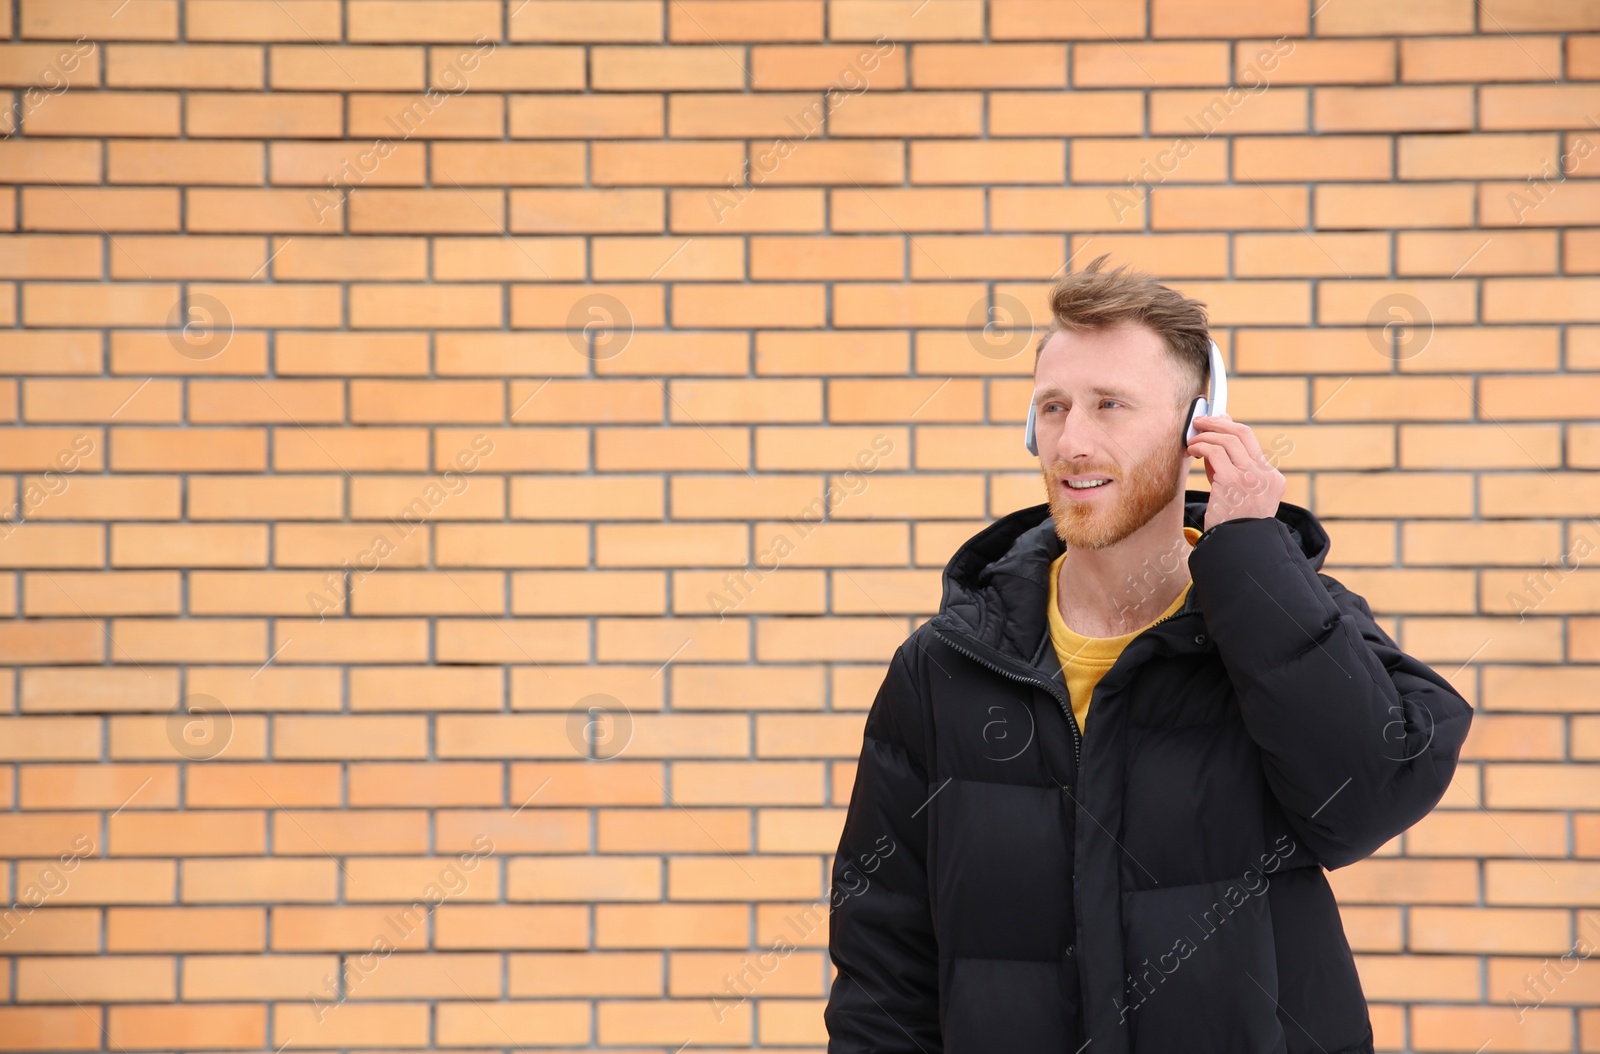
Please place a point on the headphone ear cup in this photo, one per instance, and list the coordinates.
(1030, 435)
(1200, 407)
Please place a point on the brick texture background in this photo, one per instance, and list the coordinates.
(468, 464)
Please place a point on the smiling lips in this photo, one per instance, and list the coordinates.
(1100, 484)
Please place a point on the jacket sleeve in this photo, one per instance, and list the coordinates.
(885, 997)
(1358, 740)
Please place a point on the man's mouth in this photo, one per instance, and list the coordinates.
(1087, 486)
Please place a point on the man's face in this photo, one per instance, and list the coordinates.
(1109, 407)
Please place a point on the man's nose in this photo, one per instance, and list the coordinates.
(1078, 432)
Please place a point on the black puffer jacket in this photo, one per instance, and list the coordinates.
(1002, 885)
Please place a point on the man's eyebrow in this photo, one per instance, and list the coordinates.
(1053, 391)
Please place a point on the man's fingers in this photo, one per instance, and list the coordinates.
(1223, 425)
(1231, 446)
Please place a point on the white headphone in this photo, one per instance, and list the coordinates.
(1202, 406)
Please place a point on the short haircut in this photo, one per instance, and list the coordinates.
(1093, 299)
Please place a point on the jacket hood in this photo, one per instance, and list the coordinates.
(996, 586)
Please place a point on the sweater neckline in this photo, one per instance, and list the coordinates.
(1102, 650)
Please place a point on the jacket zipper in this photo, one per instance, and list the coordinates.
(1072, 719)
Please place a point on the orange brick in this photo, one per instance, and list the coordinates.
(312, 832)
(989, 66)
(1263, 255)
(1315, 61)
(1230, 111)
(641, 116)
(294, 20)
(392, 1024)
(1405, 109)
(186, 66)
(218, 1025)
(105, 209)
(188, 929)
(1564, 14)
(1556, 106)
(425, 21)
(1174, 18)
(1039, 161)
(1272, 159)
(633, 20)
(837, 258)
(1198, 208)
(313, 67)
(290, 977)
(1041, 19)
(1140, 64)
(1423, 205)
(335, 258)
(679, 67)
(597, 211)
(148, 19)
(259, 880)
(431, 307)
(706, 21)
(671, 925)
(477, 68)
(905, 304)
(400, 783)
(202, 733)
(50, 738)
(1476, 156)
(508, 164)
(452, 210)
(352, 928)
(262, 210)
(433, 115)
(1503, 59)
(421, 883)
(617, 164)
(937, 20)
(188, 834)
(267, 116)
(322, 164)
(191, 256)
(570, 974)
(853, 352)
(266, 785)
(92, 881)
(66, 161)
(844, 67)
(1375, 18)
(1583, 57)
(892, 114)
(105, 979)
(49, 1027)
(1017, 208)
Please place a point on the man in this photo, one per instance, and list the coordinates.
(1098, 791)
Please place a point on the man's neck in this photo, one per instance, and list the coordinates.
(1124, 587)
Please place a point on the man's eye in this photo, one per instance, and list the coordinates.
(1056, 406)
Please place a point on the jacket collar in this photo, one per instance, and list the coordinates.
(996, 586)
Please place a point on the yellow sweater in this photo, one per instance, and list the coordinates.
(1084, 660)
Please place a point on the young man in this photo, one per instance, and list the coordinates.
(1098, 792)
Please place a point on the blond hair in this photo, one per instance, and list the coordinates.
(1095, 299)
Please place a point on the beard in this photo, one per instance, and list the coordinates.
(1146, 489)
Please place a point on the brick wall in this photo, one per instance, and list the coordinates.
(415, 412)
